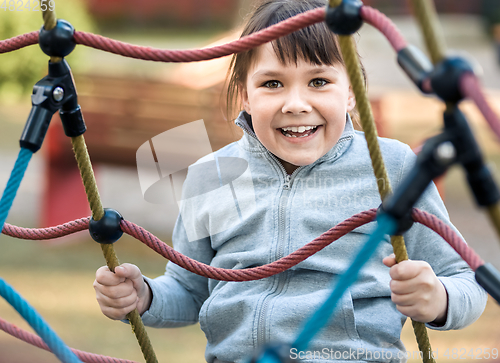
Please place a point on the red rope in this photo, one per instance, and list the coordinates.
(191, 55)
(385, 26)
(46, 233)
(38, 342)
(255, 273)
(470, 87)
(21, 41)
(469, 83)
(449, 235)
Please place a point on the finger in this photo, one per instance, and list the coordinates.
(117, 314)
(128, 270)
(120, 303)
(133, 273)
(406, 270)
(414, 313)
(404, 299)
(390, 260)
(403, 287)
(105, 277)
(116, 292)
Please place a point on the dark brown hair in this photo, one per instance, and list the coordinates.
(316, 44)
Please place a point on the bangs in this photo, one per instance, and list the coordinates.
(310, 45)
(315, 44)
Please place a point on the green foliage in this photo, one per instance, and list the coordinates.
(21, 69)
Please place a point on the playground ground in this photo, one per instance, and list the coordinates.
(56, 277)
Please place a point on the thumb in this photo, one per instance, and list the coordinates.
(131, 272)
(390, 260)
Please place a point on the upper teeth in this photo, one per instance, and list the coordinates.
(299, 128)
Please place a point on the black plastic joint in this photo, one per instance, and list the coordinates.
(429, 165)
(483, 186)
(59, 41)
(345, 19)
(73, 122)
(51, 93)
(445, 79)
(107, 229)
(416, 65)
(489, 278)
(480, 178)
(276, 353)
(404, 222)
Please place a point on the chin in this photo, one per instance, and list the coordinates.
(302, 162)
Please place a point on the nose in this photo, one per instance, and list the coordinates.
(296, 102)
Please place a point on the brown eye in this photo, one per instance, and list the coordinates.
(273, 84)
(318, 82)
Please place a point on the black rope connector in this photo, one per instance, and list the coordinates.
(480, 178)
(59, 41)
(107, 229)
(437, 155)
(56, 91)
(416, 65)
(404, 222)
(278, 353)
(345, 19)
(445, 79)
(489, 278)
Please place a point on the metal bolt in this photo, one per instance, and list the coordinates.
(58, 94)
(445, 152)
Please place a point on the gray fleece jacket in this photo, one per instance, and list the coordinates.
(249, 212)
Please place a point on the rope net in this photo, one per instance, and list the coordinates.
(469, 84)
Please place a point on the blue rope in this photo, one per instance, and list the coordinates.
(15, 179)
(29, 314)
(386, 225)
(55, 344)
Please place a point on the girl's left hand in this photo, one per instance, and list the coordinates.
(416, 290)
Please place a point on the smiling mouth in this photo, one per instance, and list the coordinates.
(300, 131)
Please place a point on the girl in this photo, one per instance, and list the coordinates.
(307, 171)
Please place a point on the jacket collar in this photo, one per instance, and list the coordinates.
(251, 143)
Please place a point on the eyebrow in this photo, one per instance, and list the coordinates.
(271, 73)
(267, 73)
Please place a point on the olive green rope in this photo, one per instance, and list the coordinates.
(90, 185)
(426, 14)
(88, 178)
(49, 22)
(368, 123)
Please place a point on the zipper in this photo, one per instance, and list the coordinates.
(280, 279)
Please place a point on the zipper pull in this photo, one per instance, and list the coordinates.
(287, 182)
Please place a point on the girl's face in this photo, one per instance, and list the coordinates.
(298, 110)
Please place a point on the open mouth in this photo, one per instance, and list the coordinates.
(298, 131)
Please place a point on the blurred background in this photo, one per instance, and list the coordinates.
(126, 102)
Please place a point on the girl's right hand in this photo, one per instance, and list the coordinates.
(121, 292)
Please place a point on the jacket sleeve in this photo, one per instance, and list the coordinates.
(179, 294)
(466, 299)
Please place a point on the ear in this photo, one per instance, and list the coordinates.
(244, 99)
(351, 100)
